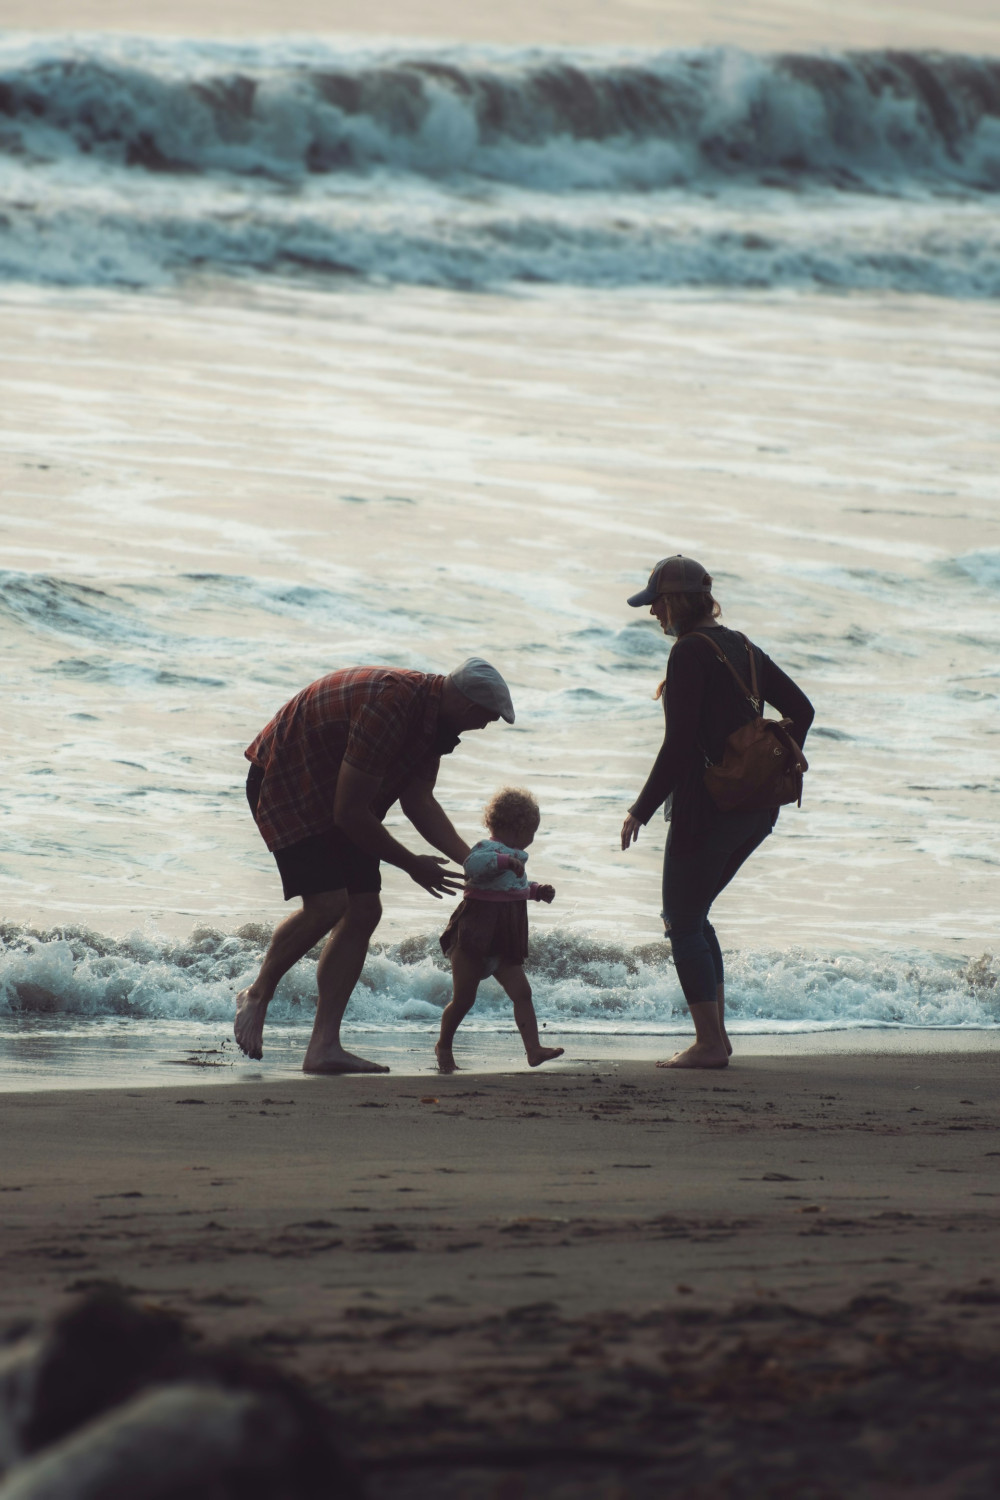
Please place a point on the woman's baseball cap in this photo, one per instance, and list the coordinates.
(673, 575)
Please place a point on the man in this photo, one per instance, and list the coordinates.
(323, 774)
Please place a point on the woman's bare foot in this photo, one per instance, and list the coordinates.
(336, 1060)
(446, 1058)
(698, 1055)
(248, 1027)
(544, 1054)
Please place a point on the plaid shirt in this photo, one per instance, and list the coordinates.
(381, 720)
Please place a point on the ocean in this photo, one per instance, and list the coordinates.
(319, 354)
(135, 163)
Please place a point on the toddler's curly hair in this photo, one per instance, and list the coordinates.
(512, 809)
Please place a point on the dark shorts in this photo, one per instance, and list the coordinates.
(327, 861)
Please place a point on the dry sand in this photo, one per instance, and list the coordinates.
(602, 1282)
(761, 25)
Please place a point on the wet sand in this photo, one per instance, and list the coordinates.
(581, 1282)
(127, 1054)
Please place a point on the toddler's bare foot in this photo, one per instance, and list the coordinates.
(446, 1058)
(336, 1060)
(248, 1027)
(544, 1054)
(698, 1055)
(729, 1045)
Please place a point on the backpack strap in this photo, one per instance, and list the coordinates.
(755, 697)
(751, 693)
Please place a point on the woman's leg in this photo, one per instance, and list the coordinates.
(466, 970)
(690, 885)
(720, 980)
(736, 859)
(720, 1000)
(515, 982)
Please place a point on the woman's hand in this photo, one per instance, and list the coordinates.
(630, 830)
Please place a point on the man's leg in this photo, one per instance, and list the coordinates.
(337, 972)
(290, 941)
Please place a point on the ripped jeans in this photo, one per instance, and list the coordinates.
(691, 883)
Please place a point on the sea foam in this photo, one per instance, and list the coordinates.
(578, 983)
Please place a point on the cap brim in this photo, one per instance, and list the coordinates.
(645, 596)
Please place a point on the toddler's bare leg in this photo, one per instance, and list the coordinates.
(465, 974)
(515, 982)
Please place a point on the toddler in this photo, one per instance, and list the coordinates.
(488, 932)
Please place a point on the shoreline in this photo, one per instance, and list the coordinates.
(126, 1059)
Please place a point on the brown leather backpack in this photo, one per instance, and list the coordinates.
(762, 766)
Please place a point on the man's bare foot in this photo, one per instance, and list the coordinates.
(698, 1055)
(446, 1058)
(336, 1060)
(248, 1028)
(544, 1054)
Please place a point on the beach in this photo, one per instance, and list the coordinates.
(331, 336)
(589, 1282)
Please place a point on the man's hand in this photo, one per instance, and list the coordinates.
(546, 893)
(630, 830)
(426, 870)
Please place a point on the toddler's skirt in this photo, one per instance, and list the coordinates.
(494, 931)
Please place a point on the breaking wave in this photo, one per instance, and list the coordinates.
(581, 984)
(541, 120)
(138, 163)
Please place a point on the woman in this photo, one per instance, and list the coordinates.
(705, 847)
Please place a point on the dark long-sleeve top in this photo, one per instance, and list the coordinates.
(703, 705)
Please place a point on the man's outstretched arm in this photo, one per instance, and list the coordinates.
(429, 818)
(352, 810)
